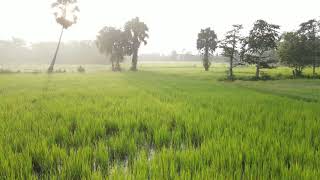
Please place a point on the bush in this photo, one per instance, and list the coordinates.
(265, 76)
(60, 71)
(8, 71)
(81, 69)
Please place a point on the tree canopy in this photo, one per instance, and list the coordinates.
(138, 34)
(66, 12)
(207, 44)
(258, 48)
(231, 47)
(292, 51)
(311, 30)
(114, 43)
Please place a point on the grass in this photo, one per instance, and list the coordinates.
(159, 123)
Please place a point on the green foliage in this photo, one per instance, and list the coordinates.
(207, 44)
(182, 127)
(78, 164)
(258, 48)
(114, 43)
(231, 47)
(138, 34)
(310, 30)
(81, 69)
(293, 52)
(7, 71)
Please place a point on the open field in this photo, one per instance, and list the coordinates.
(159, 123)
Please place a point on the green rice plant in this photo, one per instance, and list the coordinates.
(41, 159)
(121, 148)
(159, 123)
(77, 165)
(101, 157)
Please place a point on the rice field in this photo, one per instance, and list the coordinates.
(159, 123)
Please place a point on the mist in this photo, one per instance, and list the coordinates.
(173, 24)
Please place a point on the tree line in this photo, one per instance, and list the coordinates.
(18, 51)
(112, 42)
(264, 47)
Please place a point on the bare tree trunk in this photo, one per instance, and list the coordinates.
(118, 68)
(113, 69)
(50, 69)
(134, 60)
(116, 63)
(231, 68)
(258, 67)
(314, 68)
(258, 70)
(206, 60)
(314, 51)
(232, 56)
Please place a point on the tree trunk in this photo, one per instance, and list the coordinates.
(231, 68)
(112, 63)
(50, 69)
(232, 56)
(134, 60)
(118, 68)
(258, 70)
(314, 68)
(258, 67)
(206, 60)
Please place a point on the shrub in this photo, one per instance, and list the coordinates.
(81, 69)
(8, 71)
(60, 71)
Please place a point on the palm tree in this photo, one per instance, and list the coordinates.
(138, 31)
(207, 44)
(65, 14)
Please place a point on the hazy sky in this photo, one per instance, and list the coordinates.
(173, 24)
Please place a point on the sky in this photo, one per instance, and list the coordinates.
(173, 24)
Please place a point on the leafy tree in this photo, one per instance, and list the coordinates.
(139, 33)
(292, 51)
(258, 48)
(114, 43)
(65, 14)
(231, 47)
(311, 30)
(206, 44)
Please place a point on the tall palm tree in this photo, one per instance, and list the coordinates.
(65, 12)
(138, 31)
(206, 44)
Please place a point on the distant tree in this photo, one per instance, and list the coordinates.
(19, 42)
(258, 48)
(114, 43)
(206, 44)
(15, 51)
(231, 47)
(139, 33)
(293, 51)
(65, 14)
(174, 55)
(311, 30)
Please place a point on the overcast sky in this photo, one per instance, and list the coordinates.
(173, 24)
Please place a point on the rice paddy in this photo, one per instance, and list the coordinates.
(159, 123)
